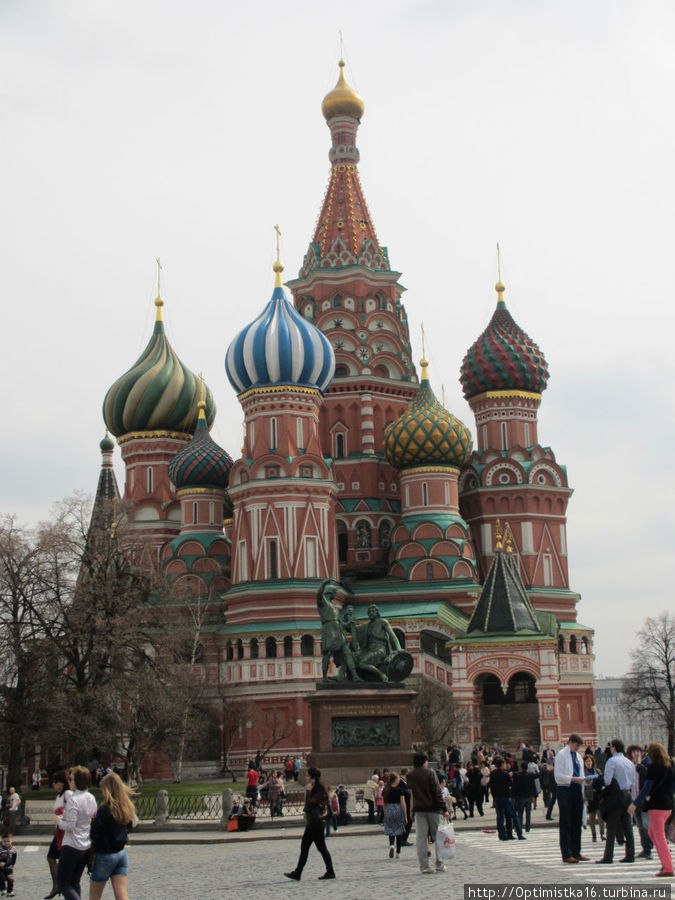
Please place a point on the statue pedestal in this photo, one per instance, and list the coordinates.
(357, 727)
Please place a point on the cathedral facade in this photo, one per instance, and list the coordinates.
(352, 470)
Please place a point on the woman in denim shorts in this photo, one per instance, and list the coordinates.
(109, 831)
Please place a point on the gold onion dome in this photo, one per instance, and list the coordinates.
(343, 99)
(158, 392)
(427, 434)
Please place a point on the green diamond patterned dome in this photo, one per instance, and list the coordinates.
(427, 434)
(158, 393)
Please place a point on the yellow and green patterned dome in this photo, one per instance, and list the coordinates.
(427, 434)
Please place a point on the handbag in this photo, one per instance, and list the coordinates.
(445, 841)
(233, 825)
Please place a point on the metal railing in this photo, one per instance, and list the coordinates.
(209, 807)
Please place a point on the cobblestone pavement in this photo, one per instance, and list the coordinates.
(253, 870)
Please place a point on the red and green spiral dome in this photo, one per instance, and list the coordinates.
(503, 358)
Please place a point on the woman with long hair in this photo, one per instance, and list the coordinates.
(114, 820)
(60, 785)
(395, 814)
(75, 821)
(657, 796)
(316, 810)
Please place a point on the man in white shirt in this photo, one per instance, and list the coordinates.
(622, 770)
(568, 773)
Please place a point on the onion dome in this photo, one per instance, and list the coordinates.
(107, 443)
(279, 348)
(504, 358)
(342, 100)
(202, 463)
(427, 434)
(158, 393)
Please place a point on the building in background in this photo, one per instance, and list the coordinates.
(614, 721)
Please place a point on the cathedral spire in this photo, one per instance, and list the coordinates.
(344, 234)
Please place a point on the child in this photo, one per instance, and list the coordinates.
(7, 861)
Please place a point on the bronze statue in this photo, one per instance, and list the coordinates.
(372, 653)
(333, 641)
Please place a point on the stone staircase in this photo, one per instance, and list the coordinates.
(507, 724)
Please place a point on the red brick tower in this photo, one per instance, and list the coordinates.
(512, 476)
(347, 289)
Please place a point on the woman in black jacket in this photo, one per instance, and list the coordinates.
(316, 810)
(114, 820)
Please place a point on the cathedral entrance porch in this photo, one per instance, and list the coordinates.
(512, 715)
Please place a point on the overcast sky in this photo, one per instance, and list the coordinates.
(132, 130)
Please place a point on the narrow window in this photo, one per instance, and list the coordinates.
(270, 647)
(505, 443)
(430, 571)
(288, 646)
(425, 494)
(548, 570)
(254, 648)
(527, 433)
(299, 436)
(195, 513)
(339, 446)
(243, 561)
(132, 479)
(485, 437)
(310, 557)
(272, 558)
(149, 479)
(273, 433)
(212, 513)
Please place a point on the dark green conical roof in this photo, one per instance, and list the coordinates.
(503, 606)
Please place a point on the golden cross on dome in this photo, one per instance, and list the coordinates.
(276, 228)
(159, 303)
(499, 264)
(159, 269)
(278, 265)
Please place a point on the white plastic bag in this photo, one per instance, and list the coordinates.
(445, 842)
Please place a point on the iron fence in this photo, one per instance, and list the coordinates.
(209, 807)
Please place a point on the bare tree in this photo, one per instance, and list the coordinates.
(277, 726)
(649, 686)
(435, 715)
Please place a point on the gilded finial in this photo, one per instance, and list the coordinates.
(202, 397)
(278, 265)
(159, 303)
(424, 362)
(508, 536)
(499, 287)
(498, 536)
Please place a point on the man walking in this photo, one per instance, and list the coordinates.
(568, 774)
(428, 805)
(623, 772)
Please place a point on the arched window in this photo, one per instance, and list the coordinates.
(401, 637)
(341, 371)
(343, 546)
(288, 645)
(363, 539)
(384, 535)
(270, 647)
(307, 645)
(230, 650)
(240, 649)
(573, 644)
(337, 301)
(273, 433)
(254, 648)
(561, 644)
(339, 445)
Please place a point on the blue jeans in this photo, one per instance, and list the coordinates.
(642, 822)
(570, 804)
(505, 805)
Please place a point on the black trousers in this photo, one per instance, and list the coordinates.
(314, 834)
(7, 880)
(619, 820)
(71, 867)
(571, 806)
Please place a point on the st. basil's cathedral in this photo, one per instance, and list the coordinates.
(352, 470)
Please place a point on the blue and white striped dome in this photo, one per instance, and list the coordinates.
(279, 347)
